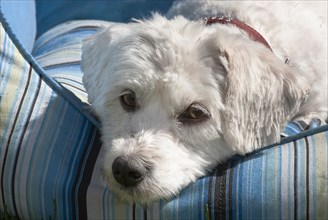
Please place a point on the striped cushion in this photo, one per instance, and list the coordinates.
(58, 51)
(48, 148)
(50, 154)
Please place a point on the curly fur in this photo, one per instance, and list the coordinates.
(249, 91)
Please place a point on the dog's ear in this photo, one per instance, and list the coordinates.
(261, 94)
(97, 52)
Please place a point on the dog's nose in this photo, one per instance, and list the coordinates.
(128, 171)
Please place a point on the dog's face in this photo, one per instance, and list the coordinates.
(176, 98)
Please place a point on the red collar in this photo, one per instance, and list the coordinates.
(256, 36)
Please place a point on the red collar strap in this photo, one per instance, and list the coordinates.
(256, 36)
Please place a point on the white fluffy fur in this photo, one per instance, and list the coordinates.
(169, 64)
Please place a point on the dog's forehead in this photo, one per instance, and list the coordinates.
(165, 63)
(163, 57)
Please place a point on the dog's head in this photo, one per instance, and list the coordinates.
(176, 98)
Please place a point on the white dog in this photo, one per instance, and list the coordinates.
(177, 97)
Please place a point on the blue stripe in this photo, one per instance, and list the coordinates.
(246, 208)
(27, 108)
(63, 40)
(105, 202)
(10, 151)
(76, 174)
(301, 177)
(202, 193)
(24, 149)
(265, 178)
(290, 182)
(239, 191)
(279, 180)
(45, 146)
(68, 141)
(113, 201)
(255, 188)
(74, 101)
(313, 177)
(31, 189)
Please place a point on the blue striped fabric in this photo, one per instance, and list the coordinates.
(45, 161)
(50, 152)
(58, 51)
(296, 127)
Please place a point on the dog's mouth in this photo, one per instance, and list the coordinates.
(142, 193)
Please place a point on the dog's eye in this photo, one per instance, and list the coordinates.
(194, 113)
(129, 102)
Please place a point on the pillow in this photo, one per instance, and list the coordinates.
(58, 51)
(48, 146)
(50, 156)
(22, 19)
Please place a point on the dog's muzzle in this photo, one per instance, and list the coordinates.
(128, 171)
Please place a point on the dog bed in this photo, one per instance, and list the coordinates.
(50, 148)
